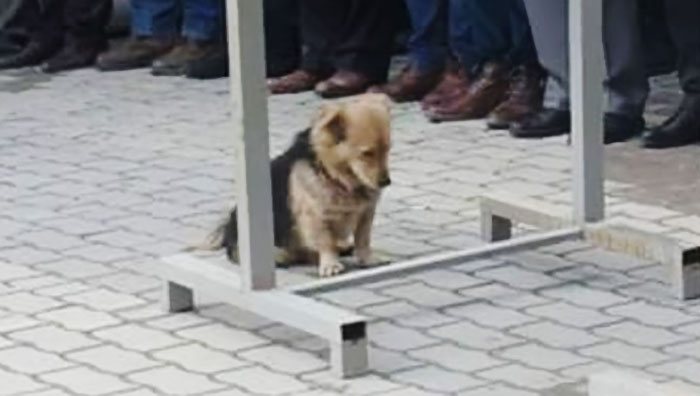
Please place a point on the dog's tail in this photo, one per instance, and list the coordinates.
(225, 236)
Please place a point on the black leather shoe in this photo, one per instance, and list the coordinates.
(74, 56)
(545, 123)
(33, 54)
(212, 65)
(621, 128)
(681, 129)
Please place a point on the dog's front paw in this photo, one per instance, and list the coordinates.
(366, 258)
(329, 269)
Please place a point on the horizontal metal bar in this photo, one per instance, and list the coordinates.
(201, 276)
(526, 210)
(436, 261)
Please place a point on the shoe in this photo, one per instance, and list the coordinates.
(212, 65)
(175, 62)
(544, 123)
(74, 55)
(621, 128)
(524, 97)
(135, 53)
(454, 81)
(681, 129)
(343, 83)
(295, 82)
(32, 55)
(410, 85)
(483, 95)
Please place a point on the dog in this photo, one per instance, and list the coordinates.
(326, 187)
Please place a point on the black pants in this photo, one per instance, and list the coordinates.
(355, 35)
(282, 36)
(685, 31)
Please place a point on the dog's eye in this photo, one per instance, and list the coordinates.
(368, 154)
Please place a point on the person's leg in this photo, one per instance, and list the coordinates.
(363, 51)
(282, 36)
(85, 23)
(202, 20)
(154, 30)
(427, 49)
(45, 29)
(321, 22)
(684, 126)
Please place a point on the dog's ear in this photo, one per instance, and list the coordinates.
(331, 121)
(379, 99)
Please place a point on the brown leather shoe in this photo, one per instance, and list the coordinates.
(295, 82)
(135, 53)
(410, 85)
(484, 94)
(343, 83)
(524, 97)
(175, 62)
(453, 82)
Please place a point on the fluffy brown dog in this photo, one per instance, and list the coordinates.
(326, 186)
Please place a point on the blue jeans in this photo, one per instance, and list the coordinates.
(201, 19)
(474, 31)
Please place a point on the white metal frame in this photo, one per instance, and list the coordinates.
(253, 287)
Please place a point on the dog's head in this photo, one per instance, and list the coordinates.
(352, 141)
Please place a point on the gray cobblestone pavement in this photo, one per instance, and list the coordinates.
(102, 174)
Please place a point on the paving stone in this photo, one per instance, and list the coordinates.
(79, 318)
(387, 362)
(105, 300)
(199, 359)
(433, 379)
(499, 294)
(177, 321)
(86, 381)
(446, 279)
(472, 336)
(424, 296)
(113, 360)
(584, 296)
(222, 337)
(685, 369)
(27, 303)
(689, 349)
(497, 390)
(409, 392)
(138, 338)
(369, 384)
(524, 377)
(651, 314)
(54, 339)
(542, 357)
(186, 384)
(570, 315)
(77, 269)
(607, 260)
(640, 335)
(354, 298)
(490, 316)
(285, 360)
(625, 354)
(259, 380)
(13, 384)
(555, 335)
(235, 317)
(282, 333)
(388, 336)
(31, 361)
(9, 272)
(455, 358)
(12, 322)
(518, 278)
(540, 262)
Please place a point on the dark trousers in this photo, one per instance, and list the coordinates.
(282, 36)
(474, 31)
(194, 19)
(16, 19)
(685, 31)
(355, 35)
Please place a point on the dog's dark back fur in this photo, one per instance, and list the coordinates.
(281, 168)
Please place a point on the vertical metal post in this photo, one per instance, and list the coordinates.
(249, 96)
(587, 74)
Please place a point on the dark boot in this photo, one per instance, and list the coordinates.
(544, 123)
(137, 52)
(453, 82)
(410, 85)
(483, 95)
(681, 129)
(33, 54)
(74, 55)
(343, 83)
(621, 128)
(212, 65)
(524, 97)
(176, 61)
(295, 82)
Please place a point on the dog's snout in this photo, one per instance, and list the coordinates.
(385, 181)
